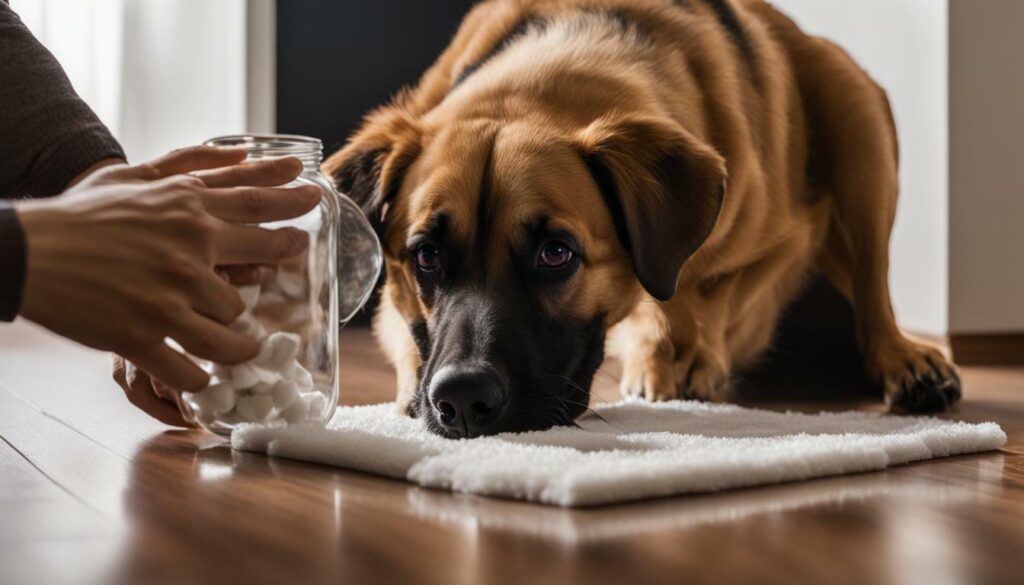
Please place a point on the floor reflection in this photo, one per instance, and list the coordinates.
(576, 526)
(216, 462)
(259, 518)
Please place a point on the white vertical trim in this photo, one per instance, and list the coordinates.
(261, 65)
(986, 171)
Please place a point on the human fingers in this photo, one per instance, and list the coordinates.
(207, 339)
(240, 244)
(260, 204)
(245, 274)
(173, 397)
(162, 410)
(196, 158)
(119, 370)
(263, 173)
(141, 391)
(170, 367)
(215, 298)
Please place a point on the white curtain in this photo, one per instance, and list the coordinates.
(161, 74)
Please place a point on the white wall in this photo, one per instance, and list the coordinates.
(161, 74)
(903, 45)
(183, 73)
(987, 167)
(85, 37)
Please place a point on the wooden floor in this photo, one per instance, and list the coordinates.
(92, 491)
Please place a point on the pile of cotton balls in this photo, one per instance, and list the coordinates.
(273, 385)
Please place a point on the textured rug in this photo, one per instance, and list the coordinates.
(639, 450)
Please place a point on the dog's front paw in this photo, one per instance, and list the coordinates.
(649, 378)
(916, 378)
(703, 378)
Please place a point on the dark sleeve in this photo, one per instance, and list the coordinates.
(48, 135)
(12, 262)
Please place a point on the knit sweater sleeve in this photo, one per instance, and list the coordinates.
(48, 136)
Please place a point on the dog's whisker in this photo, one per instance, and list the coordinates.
(569, 382)
(586, 407)
(587, 412)
(572, 384)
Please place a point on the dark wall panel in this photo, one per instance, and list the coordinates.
(336, 60)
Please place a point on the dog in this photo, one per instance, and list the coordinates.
(654, 179)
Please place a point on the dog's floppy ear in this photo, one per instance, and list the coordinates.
(369, 169)
(664, 188)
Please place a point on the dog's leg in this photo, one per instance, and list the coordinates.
(703, 368)
(398, 344)
(667, 353)
(861, 174)
(703, 373)
(642, 342)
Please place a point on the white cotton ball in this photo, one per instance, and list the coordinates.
(296, 412)
(246, 324)
(303, 379)
(255, 408)
(215, 399)
(220, 373)
(245, 318)
(266, 376)
(266, 352)
(262, 388)
(244, 409)
(277, 350)
(292, 284)
(287, 371)
(250, 295)
(286, 348)
(221, 397)
(244, 376)
(317, 404)
(262, 405)
(284, 394)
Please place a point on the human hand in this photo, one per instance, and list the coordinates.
(125, 259)
(148, 395)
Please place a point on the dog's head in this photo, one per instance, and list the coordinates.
(511, 248)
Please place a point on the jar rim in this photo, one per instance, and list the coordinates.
(270, 144)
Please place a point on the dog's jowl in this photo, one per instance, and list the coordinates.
(651, 178)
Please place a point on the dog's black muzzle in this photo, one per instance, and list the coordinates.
(495, 364)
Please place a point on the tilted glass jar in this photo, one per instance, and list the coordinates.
(296, 316)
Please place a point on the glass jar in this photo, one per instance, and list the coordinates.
(296, 317)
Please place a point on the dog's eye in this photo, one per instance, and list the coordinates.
(554, 254)
(428, 258)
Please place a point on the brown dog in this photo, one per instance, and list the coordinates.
(666, 171)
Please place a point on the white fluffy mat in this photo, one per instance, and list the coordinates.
(640, 450)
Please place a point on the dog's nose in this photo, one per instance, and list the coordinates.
(467, 401)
